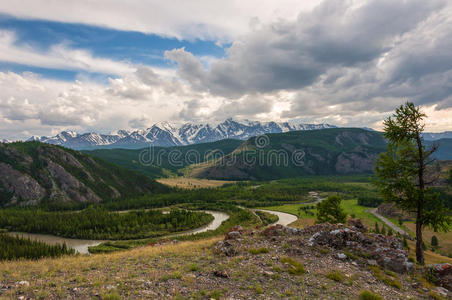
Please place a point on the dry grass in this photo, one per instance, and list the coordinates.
(429, 256)
(77, 264)
(444, 238)
(192, 183)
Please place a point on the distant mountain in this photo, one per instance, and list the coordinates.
(333, 151)
(33, 173)
(4, 141)
(166, 134)
(432, 136)
(444, 151)
(161, 161)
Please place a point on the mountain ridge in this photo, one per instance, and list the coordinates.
(165, 134)
(34, 173)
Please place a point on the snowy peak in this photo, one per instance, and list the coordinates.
(170, 134)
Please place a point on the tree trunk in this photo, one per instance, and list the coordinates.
(419, 249)
(420, 203)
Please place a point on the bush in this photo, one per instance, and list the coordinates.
(330, 211)
(367, 295)
(295, 267)
(335, 275)
(258, 250)
(434, 241)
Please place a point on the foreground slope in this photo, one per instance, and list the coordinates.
(33, 173)
(247, 265)
(320, 152)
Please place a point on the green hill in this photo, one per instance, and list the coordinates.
(33, 173)
(161, 161)
(282, 155)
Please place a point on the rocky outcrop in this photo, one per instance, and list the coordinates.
(355, 162)
(378, 249)
(33, 172)
(22, 187)
(441, 274)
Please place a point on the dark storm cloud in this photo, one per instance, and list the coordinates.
(293, 55)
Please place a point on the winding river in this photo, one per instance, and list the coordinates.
(81, 246)
(284, 218)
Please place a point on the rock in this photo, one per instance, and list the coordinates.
(442, 274)
(441, 291)
(275, 230)
(356, 224)
(227, 247)
(385, 251)
(268, 273)
(372, 262)
(23, 283)
(233, 235)
(341, 256)
(222, 274)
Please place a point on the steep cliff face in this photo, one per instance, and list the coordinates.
(32, 173)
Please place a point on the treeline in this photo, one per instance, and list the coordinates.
(255, 194)
(98, 223)
(14, 247)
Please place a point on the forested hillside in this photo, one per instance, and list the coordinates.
(33, 173)
(161, 161)
(320, 152)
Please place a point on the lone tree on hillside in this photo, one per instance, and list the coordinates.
(330, 210)
(403, 172)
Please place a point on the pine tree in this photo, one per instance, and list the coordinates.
(402, 173)
(330, 210)
(377, 228)
(434, 242)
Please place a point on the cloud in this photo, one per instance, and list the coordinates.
(59, 56)
(292, 55)
(203, 19)
(349, 63)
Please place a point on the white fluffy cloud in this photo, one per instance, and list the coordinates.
(222, 21)
(345, 62)
(59, 56)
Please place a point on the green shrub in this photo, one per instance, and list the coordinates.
(367, 295)
(335, 275)
(258, 250)
(331, 211)
(434, 241)
(295, 267)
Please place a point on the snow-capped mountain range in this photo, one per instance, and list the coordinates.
(167, 134)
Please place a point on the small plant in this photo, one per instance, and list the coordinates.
(258, 250)
(111, 296)
(335, 275)
(377, 228)
(434, 242)
(193, 268)
(392, 282)
(405, 243)
(295, 267)
(390, 232)
(258, 289)
(216, 294)
(367, 295)
(383, 230)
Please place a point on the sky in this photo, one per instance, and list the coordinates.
(108, 65)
